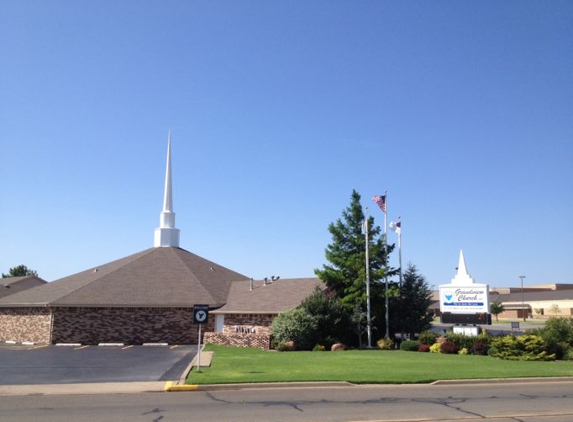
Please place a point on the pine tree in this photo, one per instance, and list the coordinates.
(411, 307)
(345, 276)
(19, 271)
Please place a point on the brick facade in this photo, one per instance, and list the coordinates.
(100, 325)
(244, 330)
(25, 325)
(125, 325)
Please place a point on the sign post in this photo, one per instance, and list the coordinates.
(200, 316)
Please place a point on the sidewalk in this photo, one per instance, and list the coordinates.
(87, 388)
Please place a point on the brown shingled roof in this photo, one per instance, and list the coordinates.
(279, 296)
(158, 277)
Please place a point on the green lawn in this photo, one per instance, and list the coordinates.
(244, 365)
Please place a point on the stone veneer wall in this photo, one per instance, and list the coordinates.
(244, 330)
(25, 325)
(260, 341)
(126, 325)
(248, 323)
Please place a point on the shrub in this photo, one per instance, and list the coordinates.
(428, 337)
(332, 321)
(410, 345)
(424, 348)
(319, 348)
(448, 347)
(460, 340)
(558, 336)
(436, 348)
(463, 341)
(480, 347)
(463, 351)
(385, 343)
(296, 325)
(285, 346)
(525, 347)
(492, 351)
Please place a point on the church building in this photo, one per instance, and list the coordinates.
(148, 297)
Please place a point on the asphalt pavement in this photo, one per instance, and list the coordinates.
(37, 365)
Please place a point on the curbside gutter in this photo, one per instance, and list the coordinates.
(170, 386)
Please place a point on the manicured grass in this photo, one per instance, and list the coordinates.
(244, 365)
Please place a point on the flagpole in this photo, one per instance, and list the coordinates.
(368, 321)
(400, 248)
(387, 315)
(400, 263)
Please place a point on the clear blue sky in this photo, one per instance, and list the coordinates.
(463, 111)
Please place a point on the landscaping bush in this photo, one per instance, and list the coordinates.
(410, 345)
(385, 344)
(436, 348)
(332, 321)
(424, 348)
(492, 351)
(558, 336)
(285, 346)
(480, 347)
(449, 347)
(463, 351)
(296, 325)
(428, 337)
(525, 347)
(463, 341)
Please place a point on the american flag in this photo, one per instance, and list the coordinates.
(380, 201)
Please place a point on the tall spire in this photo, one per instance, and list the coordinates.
(462, 277)
(168, 196)
(166, 234)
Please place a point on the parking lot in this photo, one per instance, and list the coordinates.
(35, 364)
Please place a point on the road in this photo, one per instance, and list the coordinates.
(499, 402)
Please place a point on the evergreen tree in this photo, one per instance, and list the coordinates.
(345, 276)
(411, 307)
(19, 271)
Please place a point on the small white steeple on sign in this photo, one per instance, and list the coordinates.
(166, 234)
(462, 277)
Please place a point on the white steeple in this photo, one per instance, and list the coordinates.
(462, 277)
(166, 234)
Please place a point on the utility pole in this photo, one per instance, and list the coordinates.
(522, 299)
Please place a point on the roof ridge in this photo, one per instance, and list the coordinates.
(190, 271)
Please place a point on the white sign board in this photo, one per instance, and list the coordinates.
(466, 299)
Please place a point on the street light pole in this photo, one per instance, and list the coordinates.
(522, 300)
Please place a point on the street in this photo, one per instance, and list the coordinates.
(501, 402)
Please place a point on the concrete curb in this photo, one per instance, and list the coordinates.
(504, 380)
(170, 387)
